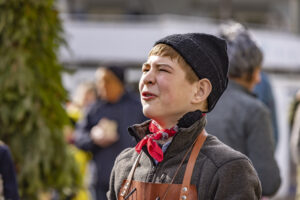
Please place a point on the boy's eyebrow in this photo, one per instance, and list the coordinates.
(163, 64)
(158, 65)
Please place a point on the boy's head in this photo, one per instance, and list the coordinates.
(201, 56)
(166, 50)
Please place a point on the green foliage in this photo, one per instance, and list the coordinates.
(31, 113)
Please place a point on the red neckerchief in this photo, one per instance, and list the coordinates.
(153, 148)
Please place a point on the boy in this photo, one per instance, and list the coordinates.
(183, 78)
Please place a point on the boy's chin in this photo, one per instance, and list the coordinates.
(149, 112)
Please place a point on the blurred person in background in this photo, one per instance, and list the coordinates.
(295, 140)
(8, 181)
(293, 107)
(264, 92)
(239, 119)
(85, 95)
(103, 130)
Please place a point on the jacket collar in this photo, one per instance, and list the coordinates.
(181, 141)
(234, 85)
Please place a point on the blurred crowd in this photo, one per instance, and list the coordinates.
(103, 109)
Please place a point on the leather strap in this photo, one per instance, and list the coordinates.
(124, 190)
(186, 187)
(154, 191)
(190, 166)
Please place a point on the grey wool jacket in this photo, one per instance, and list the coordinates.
(220, 172)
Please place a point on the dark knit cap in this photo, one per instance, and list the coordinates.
(207, 56)
(118, 72)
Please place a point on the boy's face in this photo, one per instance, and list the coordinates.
(165, 92)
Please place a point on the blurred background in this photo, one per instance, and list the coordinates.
(122, 32)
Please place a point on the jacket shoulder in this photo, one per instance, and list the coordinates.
(127, 153)
(219, 153)
(247, 100)
(4, 150)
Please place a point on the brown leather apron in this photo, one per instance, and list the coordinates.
(136, 190)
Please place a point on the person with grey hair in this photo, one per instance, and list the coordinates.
(239, 119)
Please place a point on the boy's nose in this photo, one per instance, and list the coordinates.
(149, 77)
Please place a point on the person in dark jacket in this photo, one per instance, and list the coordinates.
(182, 79)
(8, 182)
(264, 92)
(244, 119)
(103, 130)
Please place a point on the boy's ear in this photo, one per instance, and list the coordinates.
(202, 90)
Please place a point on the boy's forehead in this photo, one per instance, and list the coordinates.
(156, 59)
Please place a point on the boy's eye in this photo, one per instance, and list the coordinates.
(163, 70)
(145, 69)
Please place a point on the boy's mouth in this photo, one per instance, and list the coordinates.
(148, 96)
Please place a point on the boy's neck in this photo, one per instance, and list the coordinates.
(165, 124)
(172, 121)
